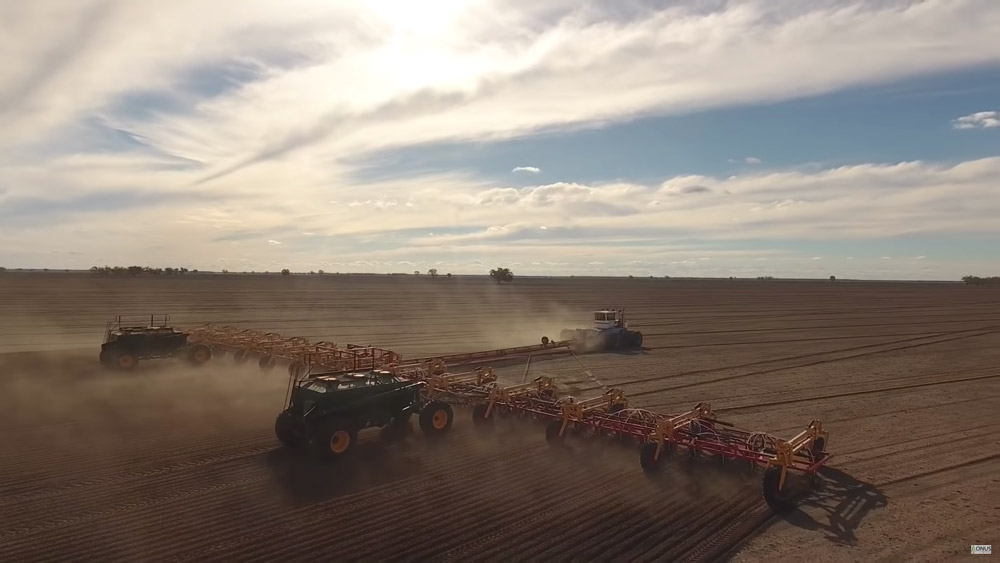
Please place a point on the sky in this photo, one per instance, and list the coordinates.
(787, 138)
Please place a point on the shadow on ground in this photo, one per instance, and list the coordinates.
(376, 460)
(837, 506)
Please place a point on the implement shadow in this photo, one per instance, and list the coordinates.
(377, 460)
(836, 506)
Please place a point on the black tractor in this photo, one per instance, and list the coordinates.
(130, 339)
(324, 412)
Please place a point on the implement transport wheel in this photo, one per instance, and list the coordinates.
(267, 363)
(480, 419)
(199, 354)
(436, 418)
(334, 440)
(552, 434)
(288, 432)
(241, 356)
(779, 500)
(648, 460)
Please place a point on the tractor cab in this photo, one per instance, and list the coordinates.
(609, 318)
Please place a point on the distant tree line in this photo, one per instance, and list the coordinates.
(138, 270)
(976, 280)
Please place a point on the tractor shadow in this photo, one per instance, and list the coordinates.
(836, 506)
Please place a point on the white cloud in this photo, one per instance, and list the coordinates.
(241, 127)
(274, 242)
(529, 169)
(978, 120)
(752, 160)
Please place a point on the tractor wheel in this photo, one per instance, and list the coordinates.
(287, 431)
(552, 434)
(334, 440)
(436, 418)
(778, 499)
(637, 339)
(199, 354)
(267, 363)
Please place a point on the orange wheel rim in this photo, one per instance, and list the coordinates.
(126, 361)
(339, 441)
(440, 419)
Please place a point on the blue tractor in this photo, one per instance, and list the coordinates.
(610, 332)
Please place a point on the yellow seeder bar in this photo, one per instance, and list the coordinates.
(810, 437)
(506, 394)
(445, 382)
(575, 410)
(666, 430)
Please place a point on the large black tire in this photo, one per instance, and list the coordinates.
(552, 434)
(334, 439)
(199, 354)
(287, 432)
(436, 418)
(637, 339)
(267, 363)
(241, 356)
(779, 500)
(479, 418)
(647, 458)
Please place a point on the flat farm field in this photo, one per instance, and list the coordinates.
(177, 463)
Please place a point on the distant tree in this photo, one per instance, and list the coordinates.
(286, 272)
(449, 274)
(432, 272)
(320, 272)
(501, 275)
(976, 280)
(833, 278)
(416, 273)
(224, 271)
(2, 269)
(631, 277)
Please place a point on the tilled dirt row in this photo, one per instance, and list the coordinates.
(175, 464)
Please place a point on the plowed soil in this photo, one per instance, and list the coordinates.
(175, 463)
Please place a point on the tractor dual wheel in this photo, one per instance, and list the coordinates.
(267, 363)
(436, 418)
